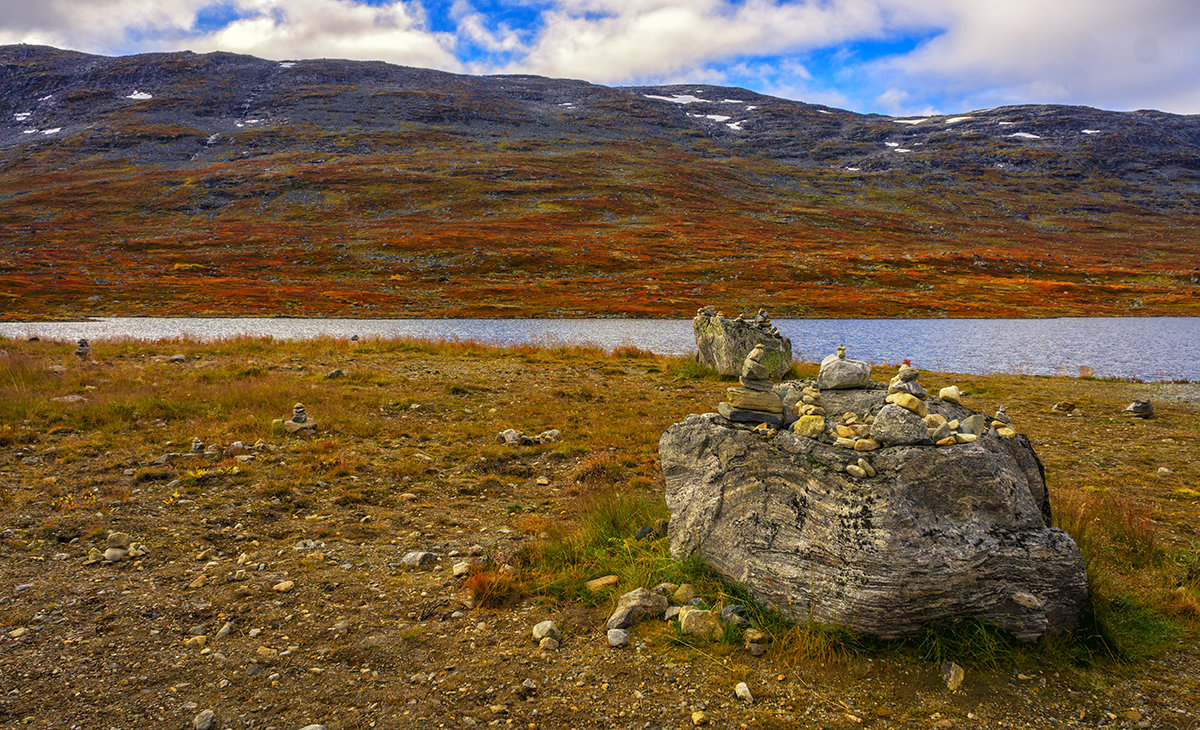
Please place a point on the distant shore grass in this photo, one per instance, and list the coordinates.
(1131, 520)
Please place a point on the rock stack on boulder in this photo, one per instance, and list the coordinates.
(299, 420)
(880, 511)
(840, 372)
(722, 343)
(754, 401)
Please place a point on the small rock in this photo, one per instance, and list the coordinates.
(1140, 409)
(618, 638)
(1006, 433)
(756, 649)
(205, 720)
(699, 718)
(177, 357)
(1002, 415)
(335, 374)
(950, 394)
(284, 586)
(543, 482)
(462, 569)
(644, 532)
(953, 675)
(419, 559)
(224, 631)
(600, 583)
(699, 622)
(810, 426)
(1063, 406)
(660, 527)
(866, 467)
(867, 444)
(18, 632)
(199, 582)
(910, 402)
(118, 540)
(547, 629)
(313, 727)
(684, 593)
(549, 644)
(665, 589)
(743, 692)
(636, 606)
(855, 470)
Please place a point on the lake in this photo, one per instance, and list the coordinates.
(1147, 348)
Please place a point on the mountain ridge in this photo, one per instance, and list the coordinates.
(381, 176)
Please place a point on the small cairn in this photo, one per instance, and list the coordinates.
(300, 420)
(753, 401)
(84, 351)
(840, 372)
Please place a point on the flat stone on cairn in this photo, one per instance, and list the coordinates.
(753, 401)
(839, 372)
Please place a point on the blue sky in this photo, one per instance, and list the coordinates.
(899, 57)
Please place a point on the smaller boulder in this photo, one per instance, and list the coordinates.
(839, 372)
(1140, 409)
(896, 426)
(699, 622)
(636, 606)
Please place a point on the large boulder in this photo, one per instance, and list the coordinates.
(938, 535)
(722, 343)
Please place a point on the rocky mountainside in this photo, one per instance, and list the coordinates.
(399, 178)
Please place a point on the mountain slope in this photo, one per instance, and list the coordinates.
(183, 183)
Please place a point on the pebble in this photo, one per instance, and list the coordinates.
(313, 727)
(866, 467)
(419, 559)
(953, 675)
(224, 631)
(205, 720)
(950, 394)
(855, 470)
(1006, 433)
(199, 582)
(118, 540)
(283, 587)
(543, 482)
(699, 718)
(743, 692)
(462, 569)
(910, 402)
(618, 637)
(18, 632)
(644, 532)
(866, 445)
(548, 644)
(116, 554)
(810, 426)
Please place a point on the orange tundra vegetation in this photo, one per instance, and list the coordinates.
(457, 227)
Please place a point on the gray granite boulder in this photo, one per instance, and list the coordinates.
(936, 536)
(840, 372)
(722, 343)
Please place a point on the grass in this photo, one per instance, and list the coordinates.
(419, 417)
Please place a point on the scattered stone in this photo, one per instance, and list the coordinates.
(636, 606)
(177, 357)
(321, 727)
(950, 394)
(118, 540)
(1063, 406)
(911, 388)
(548, 644)
(1006, 433)
(839, 372)
(205, 720)
(1140, 409)
(965, 438)
(684, 594)
(700, 622)
(723, 343)
(462, 569)
(18, 632)
(224, 631)
(973, 425)
(699, 718)
(543, 482)
(618, 638)
(665, 589)
(953, 675)
(743, 692)
(933, 420)
(867, 444)
(335, 374)
(70, 398)
(661, 525)
(597, 584)
(810, 426)
(547, 629)
(941, 432)
(866, 467)
(418, 559)
(855, 470)
(283, 587)
(116, 555)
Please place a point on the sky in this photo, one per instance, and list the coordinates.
(897, 57)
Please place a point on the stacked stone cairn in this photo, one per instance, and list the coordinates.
(753, 401)
(722, 343)
(84, 351)
(883, 508)
(299, 420)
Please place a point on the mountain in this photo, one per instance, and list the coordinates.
(180, 183)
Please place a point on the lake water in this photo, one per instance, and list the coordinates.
(1147, 348)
